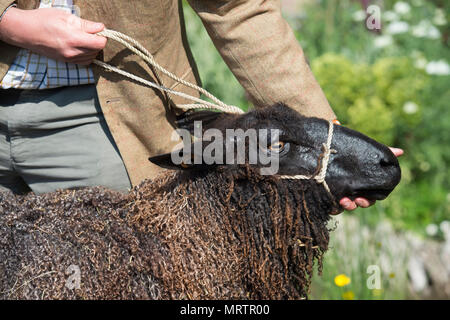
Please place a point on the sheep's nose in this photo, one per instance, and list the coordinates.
(388, 163)
(387, 159)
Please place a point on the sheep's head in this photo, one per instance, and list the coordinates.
(360, 167)
(278, 225)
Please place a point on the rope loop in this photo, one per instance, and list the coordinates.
(143, 53)
(324, 160)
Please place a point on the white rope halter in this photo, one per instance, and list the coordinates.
(324, 159)
(139, 50)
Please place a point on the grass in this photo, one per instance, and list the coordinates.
(374, 258)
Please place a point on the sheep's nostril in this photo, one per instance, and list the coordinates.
(388, 159)
(383, 159)
(385, 162)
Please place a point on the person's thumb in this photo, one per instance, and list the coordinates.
(397, 152)
(91, 27)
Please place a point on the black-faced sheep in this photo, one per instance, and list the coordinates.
(203, 232)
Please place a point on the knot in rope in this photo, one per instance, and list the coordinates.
(324, 160)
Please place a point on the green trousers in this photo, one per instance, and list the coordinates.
(56, 139)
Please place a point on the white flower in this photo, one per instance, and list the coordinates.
(390, 16)
(397, 27)
(425, 166)
(417, 273)
(439, 17)
(420, 63)
(410, 107)
(432, 230)
(445, 227)
(426, 29)
(434, 33)
(402, 7)
(440, 68)
(383, 41)
(359, 15)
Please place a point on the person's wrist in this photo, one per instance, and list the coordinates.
(13, 5)
(5, 21)
(18, 28)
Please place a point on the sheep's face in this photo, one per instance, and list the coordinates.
(360, 167)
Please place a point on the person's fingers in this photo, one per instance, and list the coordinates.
(91, 26)
(79, 55)
(337, 211)
(397, 151)
(90, 55)
(83, 33)
(90, 39)
(363, 203)
(91, 42)
(348, 204)
(84, 60)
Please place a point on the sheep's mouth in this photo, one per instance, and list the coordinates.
(371, 194)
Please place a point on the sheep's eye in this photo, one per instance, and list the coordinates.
(277, 146)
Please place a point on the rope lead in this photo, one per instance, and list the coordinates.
(140, 51)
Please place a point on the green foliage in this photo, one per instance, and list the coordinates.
(328, 26)
(214, 73)
(364, 253)
(384, 91)
(361, 93)
(377, 83)
(363, 110)
(377, 90)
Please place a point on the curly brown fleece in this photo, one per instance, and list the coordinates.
(224, 234)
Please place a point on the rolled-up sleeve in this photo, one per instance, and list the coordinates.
(5, 4)
(7, 52)
(261, 50)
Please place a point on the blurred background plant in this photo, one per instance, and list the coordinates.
(392, 84)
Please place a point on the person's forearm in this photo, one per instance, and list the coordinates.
(3, 17)
(11, 26)
(53, 33)
(3, 10)
(263, 53)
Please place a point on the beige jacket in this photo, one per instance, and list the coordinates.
(254, 40)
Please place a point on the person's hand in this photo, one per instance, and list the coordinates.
(53, 33)
(350, 205)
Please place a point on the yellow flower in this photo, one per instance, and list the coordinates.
(342, 280)
(392, 275)
(348, 295)
(377, 292)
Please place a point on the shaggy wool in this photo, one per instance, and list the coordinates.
(229, 233)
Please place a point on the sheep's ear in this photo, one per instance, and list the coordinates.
(164, 161)
(187, 119)
(167, 161)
